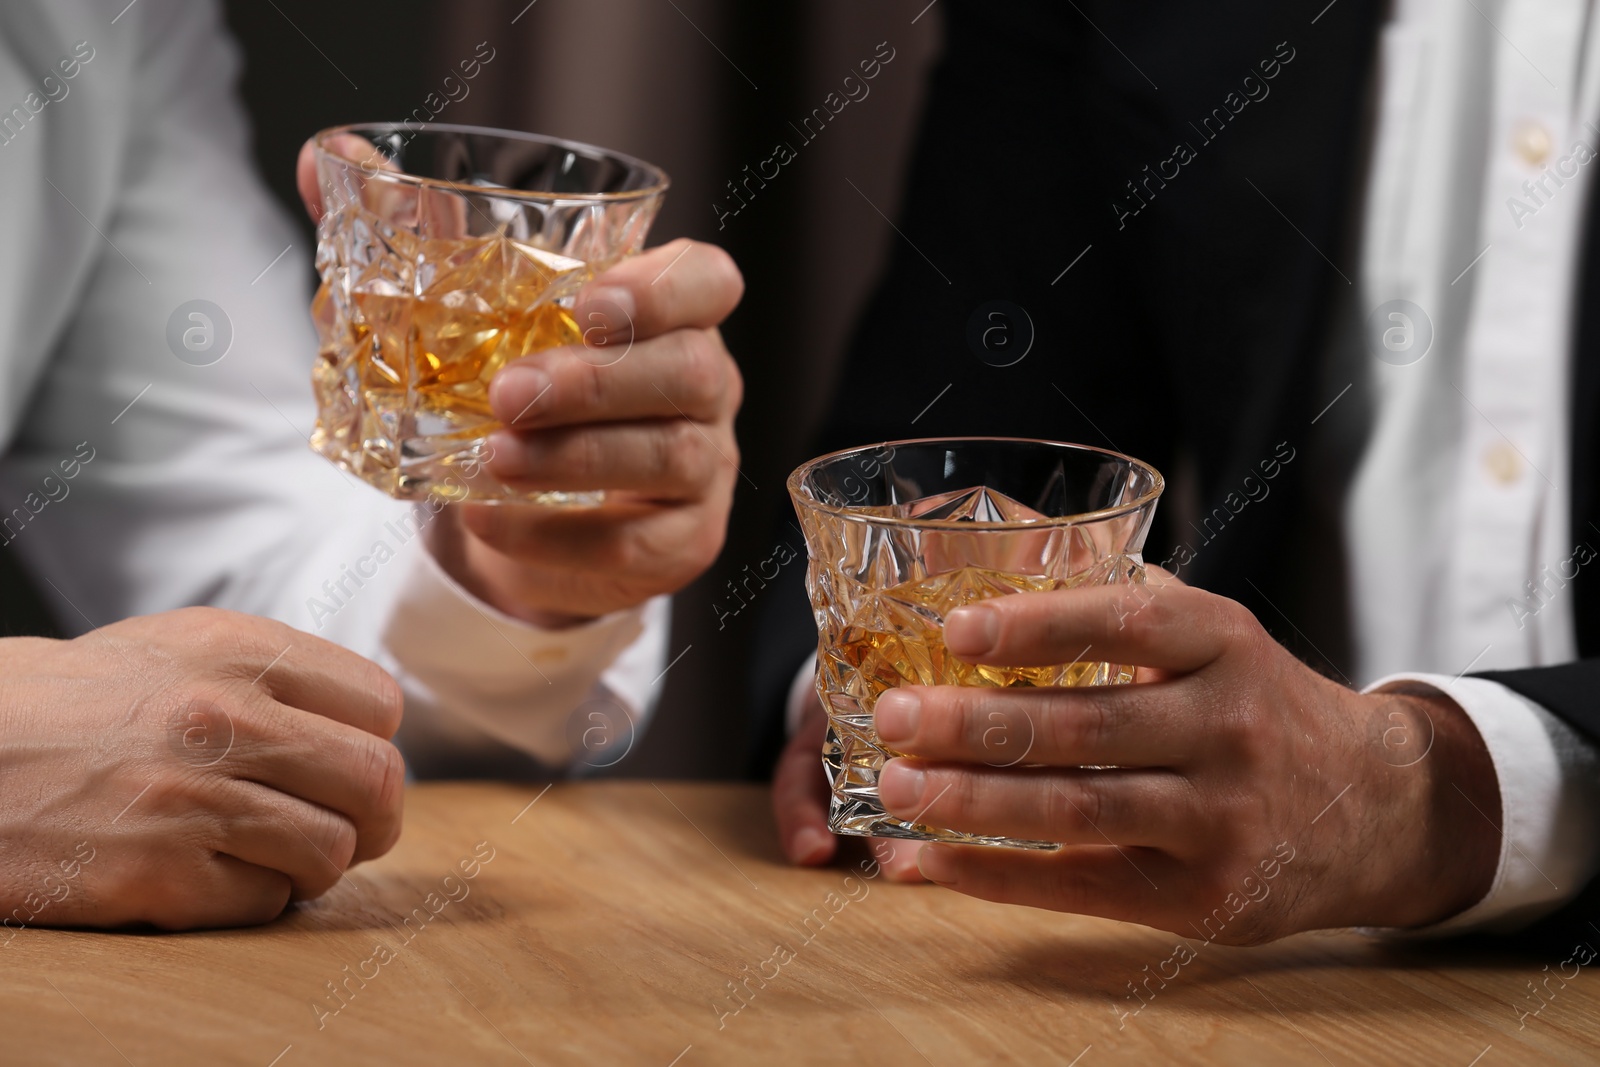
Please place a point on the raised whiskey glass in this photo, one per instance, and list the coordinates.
(445, 253)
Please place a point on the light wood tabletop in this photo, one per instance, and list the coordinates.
(635, 923)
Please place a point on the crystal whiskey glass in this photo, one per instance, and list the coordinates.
(899, 535)
(445, 253)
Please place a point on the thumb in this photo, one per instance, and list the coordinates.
(305, 179)
(800, 794)
(800, 799)
(355, 149)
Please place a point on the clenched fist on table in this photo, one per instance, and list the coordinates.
(191, 769)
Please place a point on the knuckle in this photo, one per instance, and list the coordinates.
(185, 793)
(208, 627)
(389, 699)
(674, 251)
(202, 617)
(1082, 809)
(1068, 890)
(957, 795)
(1140, 613)
(617, 552)
(1242, 733)
(386, 775)
(703, 369)
(725, 272)
(735, 390)
(332, 839)
(582, 455)
(196, 695)
(341, 837)
(967, 722)
(365, 763)
(1233, 619)
(681, 456)
(1080, 726)
(589, 385)
(979, 724)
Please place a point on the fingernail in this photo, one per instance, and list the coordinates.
(900, 784)
(971, 631)
(810, 846)
(604, 312)
(519, 390)
(896, 715)
(937, 864)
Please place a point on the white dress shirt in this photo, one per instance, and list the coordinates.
(128, 191)
(1457, 522)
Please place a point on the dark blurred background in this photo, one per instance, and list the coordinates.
(703, 88)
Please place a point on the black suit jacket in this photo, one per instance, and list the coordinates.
(1210, 161)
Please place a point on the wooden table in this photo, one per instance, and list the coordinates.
(630, 923)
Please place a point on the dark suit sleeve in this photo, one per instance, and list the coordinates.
(22, 612)
(1571, 692)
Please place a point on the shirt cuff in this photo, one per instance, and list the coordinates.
(1549, 802)
(477, 679)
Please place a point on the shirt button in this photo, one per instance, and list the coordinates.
(1502, 463)
(1532, 142)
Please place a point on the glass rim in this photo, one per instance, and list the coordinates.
(854, 514)
(660, 182)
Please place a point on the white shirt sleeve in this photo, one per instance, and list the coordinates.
(1549, 803)
(192, 481)
(575, 696)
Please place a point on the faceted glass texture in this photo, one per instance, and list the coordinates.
(898, 535)
(445, 253)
